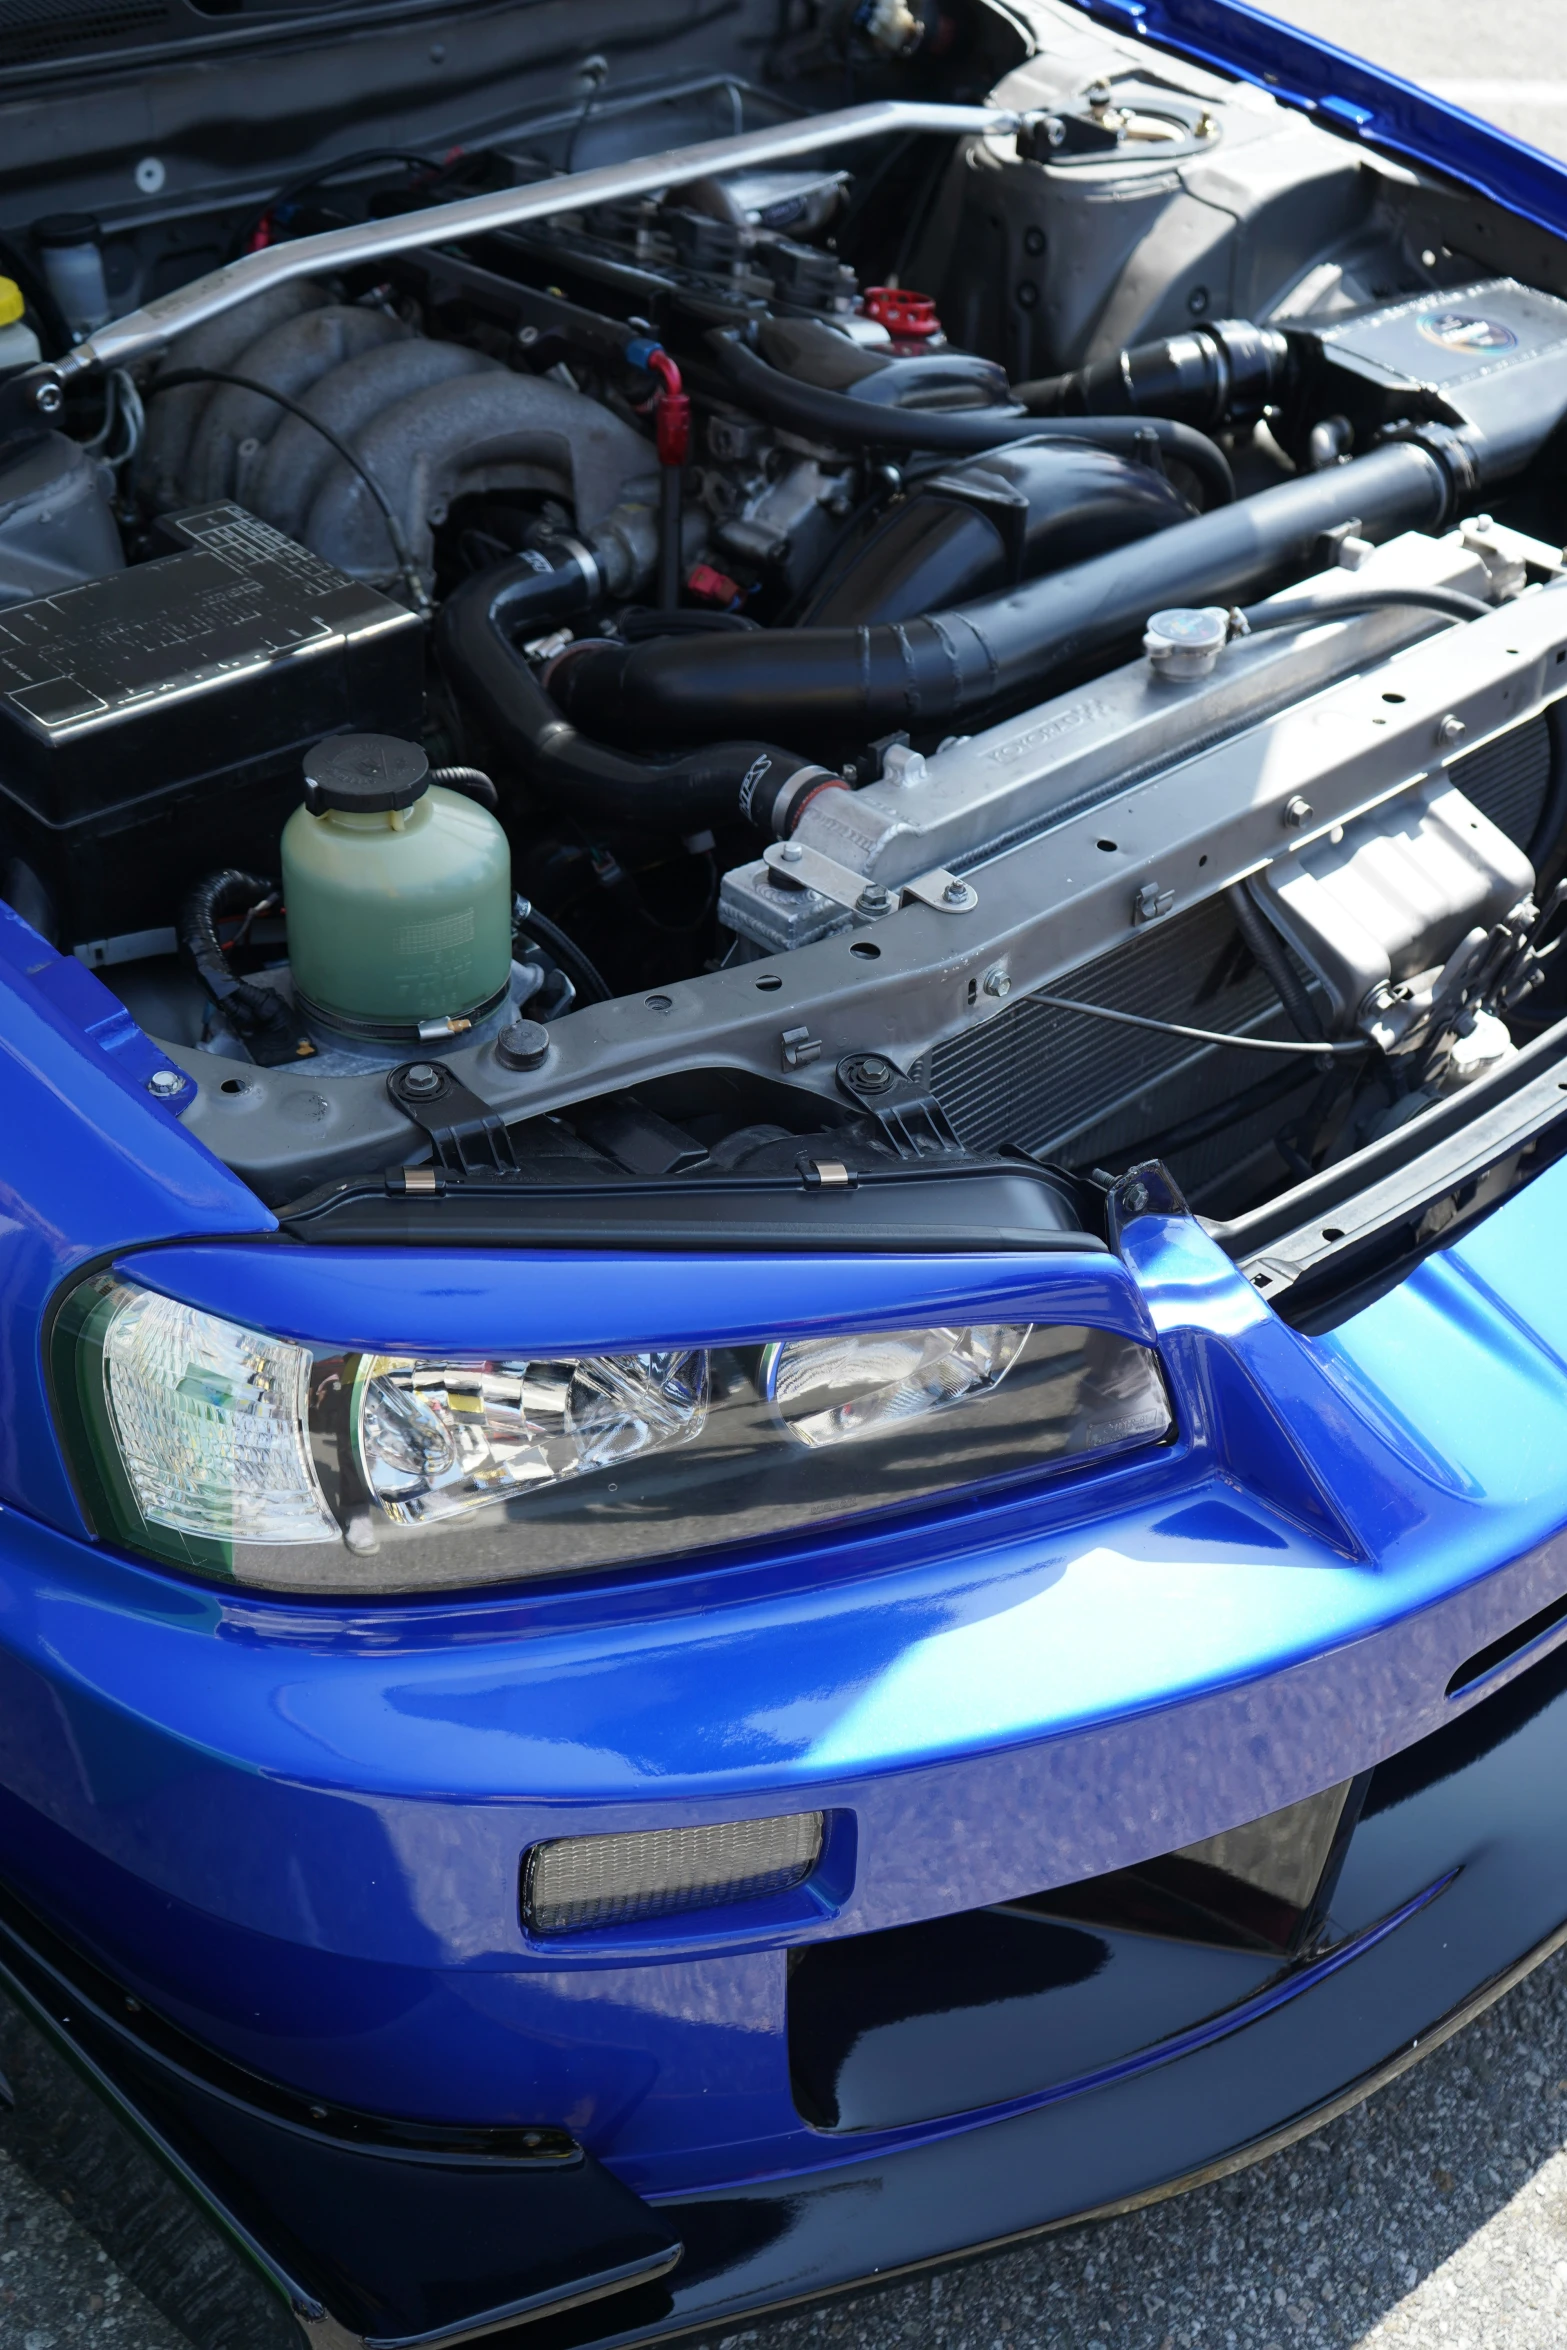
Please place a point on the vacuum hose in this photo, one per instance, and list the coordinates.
(756, 782)
(827, 688)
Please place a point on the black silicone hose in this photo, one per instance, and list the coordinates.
(865, 424)
(1268, 950)
(1307, 611)
(755, 782)
(824, 688)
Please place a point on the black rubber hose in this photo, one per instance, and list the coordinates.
(252, 1011)
(591, 985)
(472, 782)
(1307, 611)
(862, 424)
(757, 782)
(1268, 950)
(825, 688)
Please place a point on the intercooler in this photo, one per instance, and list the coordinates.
(1082, 1090)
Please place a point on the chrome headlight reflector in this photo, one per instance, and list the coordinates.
(256, 1459)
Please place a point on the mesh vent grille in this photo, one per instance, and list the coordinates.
(1507, 779)
(34, 31)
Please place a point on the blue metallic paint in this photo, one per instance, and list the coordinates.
(297, 1828)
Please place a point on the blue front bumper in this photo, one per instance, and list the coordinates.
(296, 1829)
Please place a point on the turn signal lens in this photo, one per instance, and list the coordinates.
(211, 1424)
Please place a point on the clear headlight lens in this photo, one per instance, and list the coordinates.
(828, 1390)
(431, 1438)
(239, 1455)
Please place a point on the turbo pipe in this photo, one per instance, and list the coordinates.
(831, 687)
(753, 782)
(865, 424)
(142, 334)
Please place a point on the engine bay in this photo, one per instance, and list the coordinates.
(1007, 628)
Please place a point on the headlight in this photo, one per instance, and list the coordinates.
(239, 1455)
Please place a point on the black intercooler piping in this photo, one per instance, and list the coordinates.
(831, 687)
(866, 424)
(476, 636)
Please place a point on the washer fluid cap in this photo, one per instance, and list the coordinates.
(11, 302)
(364, 773)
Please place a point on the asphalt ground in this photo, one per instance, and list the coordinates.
(1433, 2217)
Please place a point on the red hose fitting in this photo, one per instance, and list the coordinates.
(672, 411)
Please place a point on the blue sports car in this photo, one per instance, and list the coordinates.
(783, 1090)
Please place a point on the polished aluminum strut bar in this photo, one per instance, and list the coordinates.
(142, 334)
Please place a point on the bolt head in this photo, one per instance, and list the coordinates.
(998, 983)
(873, 899)
(791, 853)
(956, 893)
(1296, 813)
(1135, 1198)
(421, 1080)
(1450, 729)
(164, 1084)
(48, 399)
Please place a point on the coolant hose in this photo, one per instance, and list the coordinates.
(755, 782)
(865, 424)
(825, 688)
(1268, 951)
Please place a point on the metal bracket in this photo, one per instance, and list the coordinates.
(466, 1136)
(808, 868)
(909, 1116)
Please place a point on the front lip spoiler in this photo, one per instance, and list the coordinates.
(322, 2225)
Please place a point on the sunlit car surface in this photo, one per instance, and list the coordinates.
(783, 801)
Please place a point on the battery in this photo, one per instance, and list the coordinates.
(152, 723)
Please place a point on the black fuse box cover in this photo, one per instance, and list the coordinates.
(1489, 358)
(152, 723)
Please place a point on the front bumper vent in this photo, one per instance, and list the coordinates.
(577, 1882)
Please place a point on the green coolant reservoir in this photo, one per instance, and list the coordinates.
(398, 893)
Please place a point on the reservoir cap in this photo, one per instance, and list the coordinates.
(364, 773)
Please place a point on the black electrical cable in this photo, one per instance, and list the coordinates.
(865, 424)
(1268, 952)
(246, 383)
(258, 1014)
(1306, 611)
(293, 189)
(591, 985)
